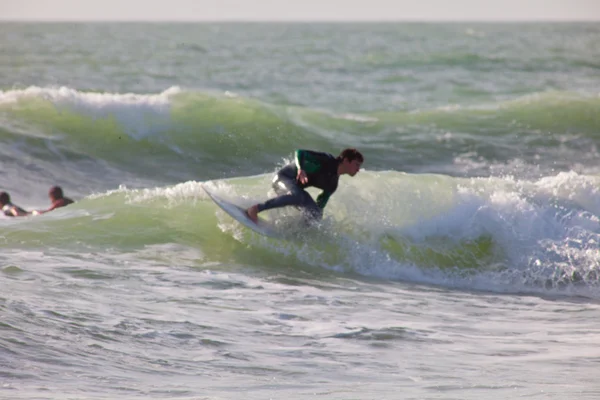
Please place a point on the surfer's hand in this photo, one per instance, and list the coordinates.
(302, 178)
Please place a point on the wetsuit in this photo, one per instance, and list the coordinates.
(8, 210)
(322, 172)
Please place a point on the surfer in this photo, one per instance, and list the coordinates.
(310, 168)
(8, 208)
(57, 199)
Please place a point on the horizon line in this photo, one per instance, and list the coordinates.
(302, 21)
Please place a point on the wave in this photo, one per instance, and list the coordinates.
(482, 233)
(185, 134)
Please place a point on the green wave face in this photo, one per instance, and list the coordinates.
(378, 223)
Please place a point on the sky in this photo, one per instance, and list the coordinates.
(300, 10)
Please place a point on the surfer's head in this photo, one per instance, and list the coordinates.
(4, 198)
(350, 161)
(55, 193)
(350, 155)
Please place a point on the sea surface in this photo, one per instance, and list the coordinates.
(462, 262)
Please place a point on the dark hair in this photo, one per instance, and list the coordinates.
(4, 198)
(56, 192)
(351, 154)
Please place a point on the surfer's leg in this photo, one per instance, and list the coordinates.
(289, 194)
(312, 212)
(284, 185)
(288, 199)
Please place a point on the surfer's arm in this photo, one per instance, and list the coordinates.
(65, 201)
(323, 198)
(39, 212)
(308, 161)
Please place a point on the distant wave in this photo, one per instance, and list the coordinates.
(225, 132)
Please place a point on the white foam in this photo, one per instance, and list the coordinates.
(139, 115)
(546, 229)
(185, 192)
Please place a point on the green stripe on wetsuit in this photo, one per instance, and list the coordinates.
(310, 163)
(307, 162)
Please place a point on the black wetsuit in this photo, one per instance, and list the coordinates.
(8, 208)
(322, 172)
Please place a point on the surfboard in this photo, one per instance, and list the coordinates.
(239, 214)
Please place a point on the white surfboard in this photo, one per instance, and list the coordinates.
(239, 214)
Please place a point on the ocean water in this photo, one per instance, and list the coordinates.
(462, 262)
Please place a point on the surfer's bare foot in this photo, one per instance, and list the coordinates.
(252, 213)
